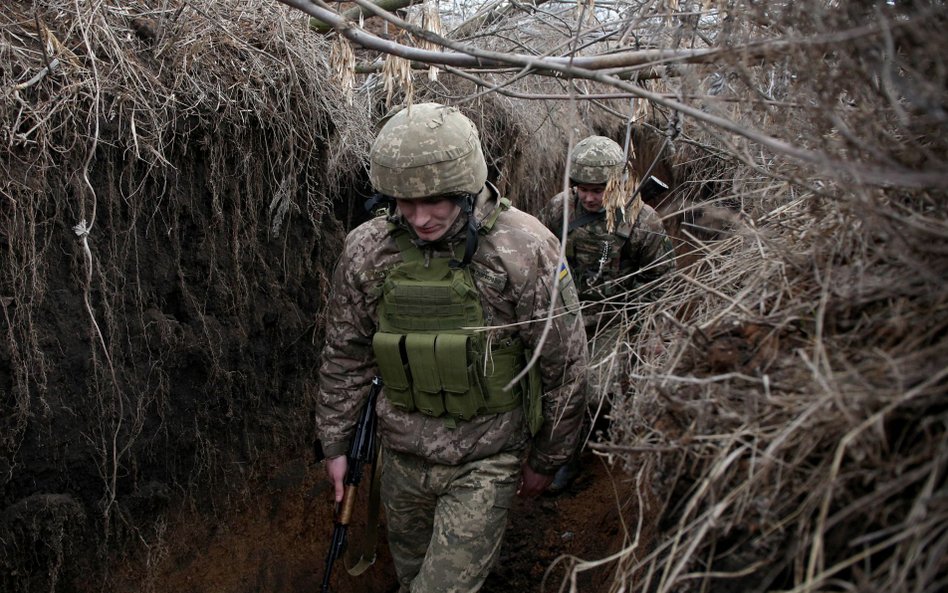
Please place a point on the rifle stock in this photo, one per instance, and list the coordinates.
(652, 188)
(361, 453)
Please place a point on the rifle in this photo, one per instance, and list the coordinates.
(362, 452)
(652, 187)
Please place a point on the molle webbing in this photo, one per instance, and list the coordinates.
(584, 219)
(593, 253)
(416, 297)
(442, 374)
(428, 353)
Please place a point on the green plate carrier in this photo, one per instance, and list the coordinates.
(429, 355)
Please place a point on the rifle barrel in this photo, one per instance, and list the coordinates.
(361, 451)
(335, 549)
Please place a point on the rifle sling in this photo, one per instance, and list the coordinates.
(586, 218)
(366, 552)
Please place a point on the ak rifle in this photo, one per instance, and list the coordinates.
(362, 452)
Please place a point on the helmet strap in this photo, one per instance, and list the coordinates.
(377, 201)
(374, 201)
(466, 202)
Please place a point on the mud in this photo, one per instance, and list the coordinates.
(277, 542)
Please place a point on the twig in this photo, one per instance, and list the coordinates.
(49, 69)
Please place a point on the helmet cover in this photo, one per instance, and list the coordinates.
(427, 150)
(595, 160)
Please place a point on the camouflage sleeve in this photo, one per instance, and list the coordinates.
(347, 362)
(562, 360)
(552, 215)
(648, 252)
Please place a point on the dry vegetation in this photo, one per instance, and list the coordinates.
(793, 416)
(176, 177)
(169, 171)
(788, 393)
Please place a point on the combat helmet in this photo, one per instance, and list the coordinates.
(427, 150)
(595, 160)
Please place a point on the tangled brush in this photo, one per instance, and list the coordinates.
(785, 428)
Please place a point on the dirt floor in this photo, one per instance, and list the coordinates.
(278, 542)
(582, 523)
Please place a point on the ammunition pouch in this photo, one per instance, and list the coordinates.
(430, 355)
(443, 374)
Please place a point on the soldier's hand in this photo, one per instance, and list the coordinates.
(532, 483)
(336, 468)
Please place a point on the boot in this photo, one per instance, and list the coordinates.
(565, 476)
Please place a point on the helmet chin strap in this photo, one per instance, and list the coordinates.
(466, 202)
(377, 201)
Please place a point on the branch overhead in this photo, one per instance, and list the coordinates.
(613, 69)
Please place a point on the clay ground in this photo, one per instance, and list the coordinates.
(277, 543)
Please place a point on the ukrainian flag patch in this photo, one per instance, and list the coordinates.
(567, 290)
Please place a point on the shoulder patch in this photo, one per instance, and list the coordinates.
(567, 290)
(492, 279)
(564, 272)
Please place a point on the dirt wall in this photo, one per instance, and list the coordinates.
(167, 225)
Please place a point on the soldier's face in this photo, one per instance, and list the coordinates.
(590, 196)
(430, 217)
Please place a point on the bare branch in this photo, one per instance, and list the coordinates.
(490, 15)
(354, 13)
(586, 67)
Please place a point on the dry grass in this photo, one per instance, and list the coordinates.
(788, 390)
(795, 421)
(167, 187)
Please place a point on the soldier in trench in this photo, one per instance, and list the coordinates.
(409, 292)
(615, 271)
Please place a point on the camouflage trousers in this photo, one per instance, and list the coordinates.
(445, 522)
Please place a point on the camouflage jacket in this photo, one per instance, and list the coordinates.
(607, 264)
(513, 270)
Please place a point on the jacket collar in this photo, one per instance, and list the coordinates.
(485, 203)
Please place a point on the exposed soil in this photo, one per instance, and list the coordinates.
(277, 542)
(583, 523)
